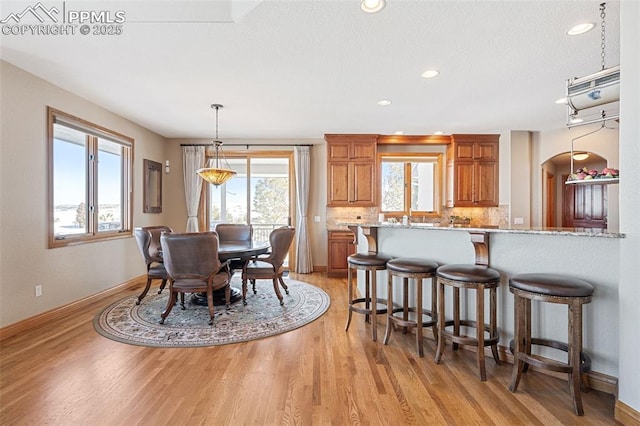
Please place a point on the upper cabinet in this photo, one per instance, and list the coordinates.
(351, 170)
(472, 171)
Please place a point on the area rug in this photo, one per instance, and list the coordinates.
(126, 322)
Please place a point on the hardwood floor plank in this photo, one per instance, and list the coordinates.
(65, 373)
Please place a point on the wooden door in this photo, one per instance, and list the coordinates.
(584, 206)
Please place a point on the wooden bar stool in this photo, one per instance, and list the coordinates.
(552, 288)
(478, 278)
(370, 263)
(419, 270)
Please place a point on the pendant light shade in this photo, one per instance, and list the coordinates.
(217, 175)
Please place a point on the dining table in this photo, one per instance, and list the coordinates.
(240, 252)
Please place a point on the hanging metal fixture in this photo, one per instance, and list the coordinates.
(217, 175)
(596, 89)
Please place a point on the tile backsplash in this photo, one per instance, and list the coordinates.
(493, 216)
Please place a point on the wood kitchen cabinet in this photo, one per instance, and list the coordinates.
(351, 170)
(341, 245)
(472, 171)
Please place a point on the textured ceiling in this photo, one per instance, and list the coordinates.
(299, 69)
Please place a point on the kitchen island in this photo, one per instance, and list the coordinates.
(592, 256)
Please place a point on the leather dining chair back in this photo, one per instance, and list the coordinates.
(193, 266)
(148, 239)
(270, 267)
(234, 232)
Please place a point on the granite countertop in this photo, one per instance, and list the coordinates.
(490, 228)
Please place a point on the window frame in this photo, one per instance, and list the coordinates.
(94, 133)
(436, 158)
(203, 212)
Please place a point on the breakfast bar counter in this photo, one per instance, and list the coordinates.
(591, 256)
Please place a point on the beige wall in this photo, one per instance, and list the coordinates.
(70, 273)
(629, 287)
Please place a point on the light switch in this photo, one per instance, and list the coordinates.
(316, 219)
(518, 220)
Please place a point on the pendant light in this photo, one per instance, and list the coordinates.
(217, 175)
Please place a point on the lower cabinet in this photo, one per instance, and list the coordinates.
(341, 246)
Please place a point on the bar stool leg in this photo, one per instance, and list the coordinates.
(405, 300)
(349, 297)
(419, 317)
(518, 342)
(434, 307)
(387, 332)
(493, 322)
(374, 301)
(575, 345)
(440, 325)
(367, 295)
(526, 305)
(480, 331)
(456, 315)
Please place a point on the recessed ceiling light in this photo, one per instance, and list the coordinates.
(581, 28)
(438, 133)
(384, 102)
(561, 101)
(372, 6)
(430, 73)
(399, 132)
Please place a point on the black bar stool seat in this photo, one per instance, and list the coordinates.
(551, 288)
(370, 263)
(418, 269)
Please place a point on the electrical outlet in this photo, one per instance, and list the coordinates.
(316, 219)
(38, 290)
(518, 220)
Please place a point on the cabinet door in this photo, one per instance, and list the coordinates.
(363, 151)
(338, 151)
(463, 184)
(351, 151)
(363, 184)
(340, 246)
(464, 151)
(486, 184)
(338, 184)
(486, 151)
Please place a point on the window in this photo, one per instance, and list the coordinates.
(89, 181)
(410, 184)
(260, 194)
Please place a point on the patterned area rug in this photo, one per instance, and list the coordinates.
(126, 322)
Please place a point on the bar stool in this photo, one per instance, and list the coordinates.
(552, 288)
(418, 269)
(370, 263)
(478, 278)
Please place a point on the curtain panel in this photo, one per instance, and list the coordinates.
(302, 163)
(193, 158)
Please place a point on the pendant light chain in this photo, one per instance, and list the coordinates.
(602, 32)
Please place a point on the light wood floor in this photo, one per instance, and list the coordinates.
(64, 373)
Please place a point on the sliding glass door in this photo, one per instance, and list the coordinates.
(260, 194)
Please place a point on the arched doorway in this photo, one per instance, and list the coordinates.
(573, 206)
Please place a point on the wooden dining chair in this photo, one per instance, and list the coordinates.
(269, 267)
(148, 239)
(193, 267)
